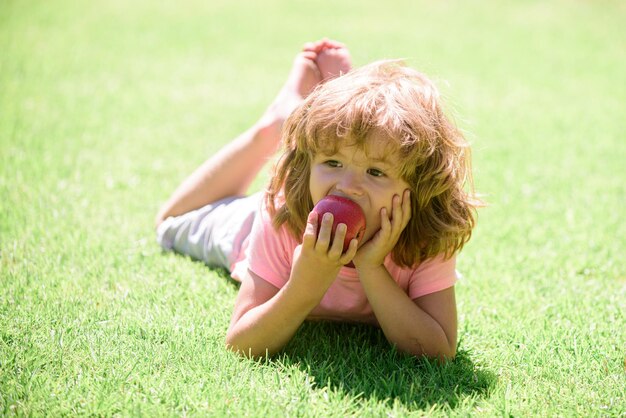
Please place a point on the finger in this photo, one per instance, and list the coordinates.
(385, 222)
(323, 238)
(400, 212)
(399, 218)
(336, 248)
(350, 252)
(406, 207)
(396, 210)
(310, 231)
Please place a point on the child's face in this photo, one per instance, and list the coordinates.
(370, 179)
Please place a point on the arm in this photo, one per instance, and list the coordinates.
(424, 326)
(266, 318)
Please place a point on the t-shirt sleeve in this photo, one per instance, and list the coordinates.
(270, 251)
(432, 276)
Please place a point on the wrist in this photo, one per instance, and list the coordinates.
(370, 270)
(308, 289)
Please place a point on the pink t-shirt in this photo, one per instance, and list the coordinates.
(268, 253)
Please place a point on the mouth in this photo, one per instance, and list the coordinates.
(342, 196)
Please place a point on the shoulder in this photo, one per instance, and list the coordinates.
(438, 263)
(270, 252)
(265, 229)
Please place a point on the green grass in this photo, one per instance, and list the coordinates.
(105, 106)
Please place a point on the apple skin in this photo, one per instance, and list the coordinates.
(345, 211)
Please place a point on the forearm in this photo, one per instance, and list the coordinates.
(267, 328)
(407, 326)
(265, 319)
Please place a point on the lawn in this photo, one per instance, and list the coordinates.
(106, 105)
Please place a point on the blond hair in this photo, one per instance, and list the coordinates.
(403, 105)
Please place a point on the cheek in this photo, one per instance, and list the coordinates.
(373, 226)
(382, 197)
(372, 220)
(316, 185)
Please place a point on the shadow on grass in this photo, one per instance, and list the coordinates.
(357, 360)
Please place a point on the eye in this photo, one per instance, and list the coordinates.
(375, 172)
(332, 163)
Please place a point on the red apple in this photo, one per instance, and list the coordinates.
(345, 211)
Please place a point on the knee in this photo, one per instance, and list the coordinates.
(158, 220)
(160, 217)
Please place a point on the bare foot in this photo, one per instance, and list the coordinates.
(333, 58)
(304, 75)
(318, 62)
(302, 79)
(333, 62)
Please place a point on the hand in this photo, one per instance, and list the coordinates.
(317, 258)
(374, 251)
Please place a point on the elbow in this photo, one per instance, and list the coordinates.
(165, 211)
(442, 356)
(447, 355)
(232, 345)
(158, 220)
(248, 352)
(443, 353)
(237, 350)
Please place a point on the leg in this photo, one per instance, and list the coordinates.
(234, 167)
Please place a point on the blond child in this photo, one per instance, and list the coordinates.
(376, 135)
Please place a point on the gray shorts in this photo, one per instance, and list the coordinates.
(214, 233)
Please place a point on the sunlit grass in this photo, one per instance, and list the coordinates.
(106, 106)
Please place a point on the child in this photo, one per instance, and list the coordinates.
(376, 135)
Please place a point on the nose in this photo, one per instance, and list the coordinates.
(350, 183)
